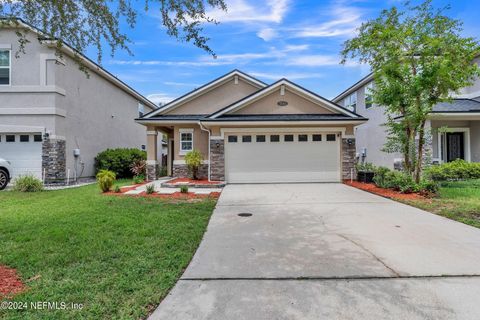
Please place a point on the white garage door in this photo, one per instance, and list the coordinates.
(24, 151)
(283, 157)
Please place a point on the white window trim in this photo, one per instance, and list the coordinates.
(348, 102)
(181, 151)
(466, 143)
(9, 67)
(368, 88)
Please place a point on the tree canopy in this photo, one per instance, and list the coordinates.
(85, 23)
(418, 58)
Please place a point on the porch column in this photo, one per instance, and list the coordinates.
(152, 153)
(169, 153)
(428, 147)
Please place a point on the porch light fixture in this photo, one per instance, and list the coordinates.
(217, 144)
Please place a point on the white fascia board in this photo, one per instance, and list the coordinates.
(278, 123)
(155, 122)
(268, 90)
(210, 86)
(454, 116)
(354, 88)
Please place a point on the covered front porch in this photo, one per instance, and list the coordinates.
(455, 137)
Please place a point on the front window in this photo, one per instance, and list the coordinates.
(186, 141)
(351, 102)
(4, 67)
(368, 95)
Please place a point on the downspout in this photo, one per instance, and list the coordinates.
(209, 134)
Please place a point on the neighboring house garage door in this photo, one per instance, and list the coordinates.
(282, 157)
(24, 151)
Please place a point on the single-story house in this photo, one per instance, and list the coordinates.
(54, 119)
(251, 132)
(453, 127)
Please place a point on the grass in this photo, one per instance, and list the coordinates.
(118, 256)
(458, 200)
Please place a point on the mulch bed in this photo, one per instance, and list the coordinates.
(132, 187)
(387, 193)
(10, 283)
(176, 195)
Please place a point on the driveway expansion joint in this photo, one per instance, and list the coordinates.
(350, 278)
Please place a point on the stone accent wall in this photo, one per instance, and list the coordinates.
(54, 160)
(348, 159)
(181, 171)
(151, 172)
(217, 159)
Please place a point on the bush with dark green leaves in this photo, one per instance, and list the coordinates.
(119, 161)
(403, 182)
(27, 183)
(455, 170)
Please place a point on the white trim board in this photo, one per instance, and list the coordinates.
(466, 142)
(281, 130)
(288, 85)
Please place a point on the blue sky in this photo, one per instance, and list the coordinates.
(269, 39)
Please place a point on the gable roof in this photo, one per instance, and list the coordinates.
(294, 87)
(206, 88)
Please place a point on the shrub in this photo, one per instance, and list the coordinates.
(365, 167)
(184, 189)
(138, 167)
(119, 161)
(105, 179)
(150, 189)
(380, 177)
(427, 187)
(455, 170)
(117, 189)
(139, 179)
(27, 183)
(193, 160)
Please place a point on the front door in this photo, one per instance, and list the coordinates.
(455, 146)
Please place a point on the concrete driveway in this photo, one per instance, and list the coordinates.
(327, 251)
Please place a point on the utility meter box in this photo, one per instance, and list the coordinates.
(76, 152)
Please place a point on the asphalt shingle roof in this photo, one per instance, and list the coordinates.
(458, 105)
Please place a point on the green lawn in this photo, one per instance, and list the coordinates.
(118, 256)
(458, 200)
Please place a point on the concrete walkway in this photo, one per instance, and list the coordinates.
(327, 251)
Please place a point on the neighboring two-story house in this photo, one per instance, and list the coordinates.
(54, 119)
(454, 134)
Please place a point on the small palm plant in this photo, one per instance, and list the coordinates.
(193, 160)
(105, 179)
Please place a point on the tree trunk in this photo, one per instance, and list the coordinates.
(406, 151)
(421, 144)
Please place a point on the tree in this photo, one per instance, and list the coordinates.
(84, 23)
(418, 59)
(193, 160)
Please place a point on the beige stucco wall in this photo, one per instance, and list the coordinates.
(296, 105)
(217, 98)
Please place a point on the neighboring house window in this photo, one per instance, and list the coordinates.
(186, 140)
(368, 95)
(141, 110)
(351, 102)
(4, 67)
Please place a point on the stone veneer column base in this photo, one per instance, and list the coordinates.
(151, 171)
(181, 171)
(54, 161)
(348, 158)
(217, 160)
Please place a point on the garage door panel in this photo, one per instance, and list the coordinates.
(282, 161)
(25, 157)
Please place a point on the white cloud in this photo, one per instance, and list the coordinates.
(290, 76)
(181, 84)
(314, 60)
(346, 20)
(203, 63)
(159, 98)
(267, 34)
(245, 12)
